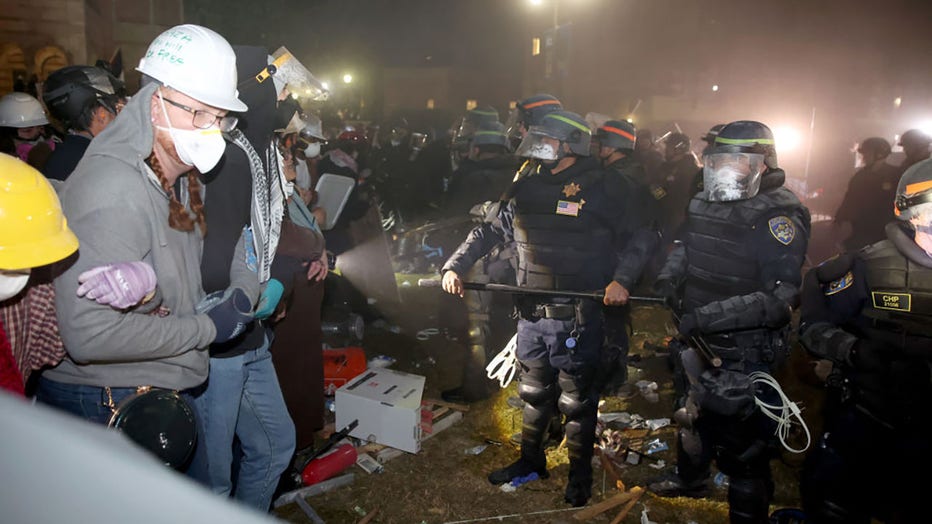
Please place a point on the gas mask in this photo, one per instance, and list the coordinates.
(12, 282)
(200, 148)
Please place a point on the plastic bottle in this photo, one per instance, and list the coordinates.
(322, 468)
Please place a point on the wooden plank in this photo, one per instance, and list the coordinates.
(638, 491)
(603, 506)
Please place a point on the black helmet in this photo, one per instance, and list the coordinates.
(619, 134)
(490, 133)
(735, 163)
(677, 143)
(916, 137)
(875, 145)
(564, 126)
(474, 119)
(532, 110)
(71, 91)
(747, 136)
(914, 189)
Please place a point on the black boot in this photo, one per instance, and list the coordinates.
(671, 485)
(579, 487)
(522, 468)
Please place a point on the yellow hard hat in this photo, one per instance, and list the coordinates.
(33, 229)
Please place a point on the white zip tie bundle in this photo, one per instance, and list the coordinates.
(783, 414)
(504, 365)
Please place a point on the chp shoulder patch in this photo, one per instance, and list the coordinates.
(839, 285)
(783, 229)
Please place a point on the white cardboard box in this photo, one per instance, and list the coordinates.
(387, 404)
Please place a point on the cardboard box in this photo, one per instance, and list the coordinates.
(387, 404)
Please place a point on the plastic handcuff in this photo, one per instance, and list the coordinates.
(503, 366)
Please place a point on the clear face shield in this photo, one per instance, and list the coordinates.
(732, 176)
(291, 74)
(540, 145)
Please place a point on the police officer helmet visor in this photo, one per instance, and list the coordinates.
(540, 144)
(732, 176)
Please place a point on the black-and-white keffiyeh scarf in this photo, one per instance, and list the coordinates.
(267, 202)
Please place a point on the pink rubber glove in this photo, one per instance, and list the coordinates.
(119, 286)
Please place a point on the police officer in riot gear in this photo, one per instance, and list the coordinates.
(616, 140)
(739, 266)
(474, 190)
(868, 313)
(563, 221)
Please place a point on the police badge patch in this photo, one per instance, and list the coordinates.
(841, 284)
(782, 229)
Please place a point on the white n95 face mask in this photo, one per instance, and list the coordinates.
(312, 150)
(200, 148)
(12, 282)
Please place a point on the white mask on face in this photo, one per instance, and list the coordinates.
(200, 148)
(12, 282)
(312, 150)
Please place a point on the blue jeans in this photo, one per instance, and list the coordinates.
(243, 400)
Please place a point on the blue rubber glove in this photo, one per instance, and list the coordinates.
(229, 310)
(269, 299)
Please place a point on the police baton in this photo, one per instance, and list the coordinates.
(517, 290)
(701, 346)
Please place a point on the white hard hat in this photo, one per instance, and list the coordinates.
(197, 62)
(21, 110)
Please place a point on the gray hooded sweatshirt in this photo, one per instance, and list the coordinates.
(119, 211)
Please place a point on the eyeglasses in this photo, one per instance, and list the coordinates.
(205, 119)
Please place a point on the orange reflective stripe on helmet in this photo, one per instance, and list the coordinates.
(617, 131)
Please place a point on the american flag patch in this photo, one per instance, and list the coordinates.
(567, 208)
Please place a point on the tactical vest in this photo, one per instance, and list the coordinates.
(721, 258)
(562, 230)
(898, 311)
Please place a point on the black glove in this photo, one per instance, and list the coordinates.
(666, 289)
(814, 306)
(230, 312)
(865, 356)
(689, 326)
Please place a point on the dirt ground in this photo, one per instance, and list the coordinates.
(444, 484)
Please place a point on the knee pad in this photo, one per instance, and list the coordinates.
(576, 398)
(537, 385)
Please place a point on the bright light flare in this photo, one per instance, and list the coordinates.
(787, 138)
(325, 85)
(925, 127)
(536, 2)
(715, 88)
(347, 78)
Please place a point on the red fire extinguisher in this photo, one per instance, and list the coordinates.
(326, 466)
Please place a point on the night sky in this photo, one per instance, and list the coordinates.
(773, 59)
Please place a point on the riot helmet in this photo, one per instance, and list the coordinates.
(490, 137)
(676, 144)
(545, 141)
(737, 160)
(913, 202)
(873, 149)
(713, 132)
(73, 92)
(619, 134)
(530, 112)
(915, 143)
(470, 123)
